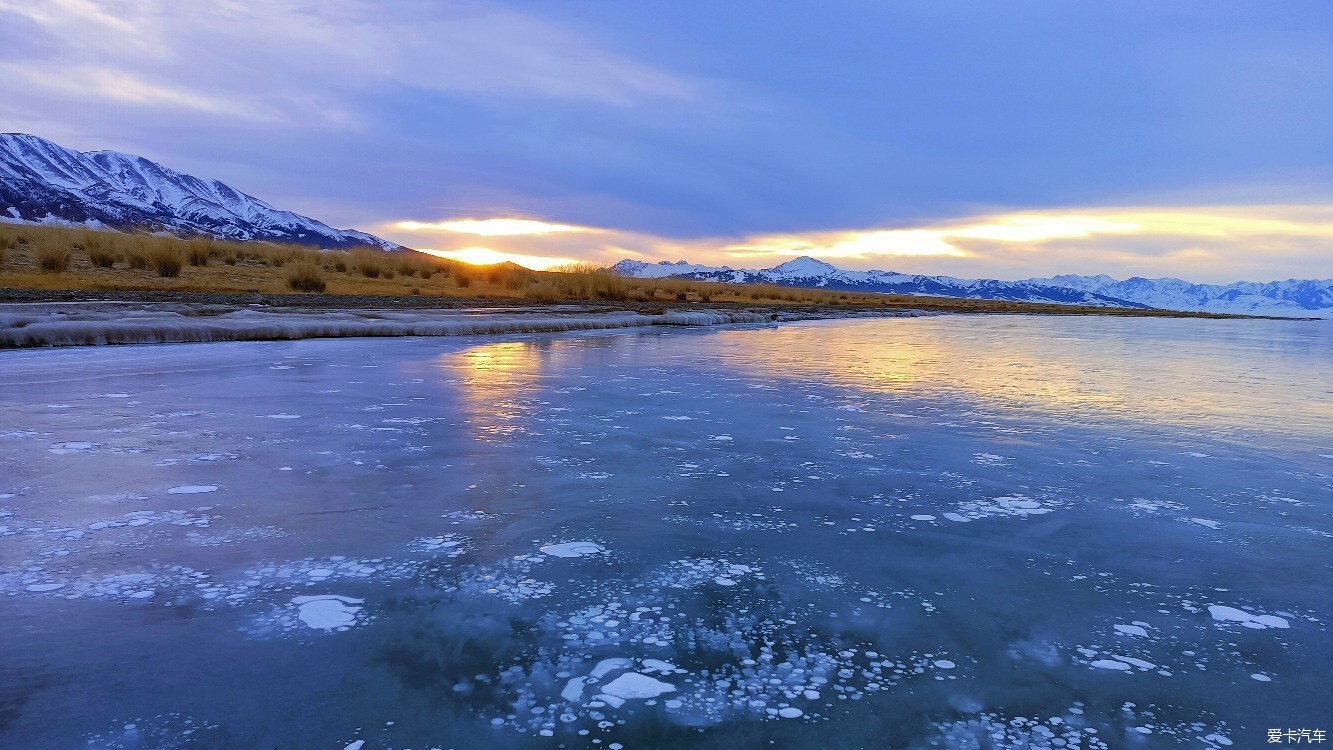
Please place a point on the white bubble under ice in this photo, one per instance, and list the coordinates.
(571, 549)
(328, 612)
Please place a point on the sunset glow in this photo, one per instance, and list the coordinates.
(485, 256)
(1216, 244)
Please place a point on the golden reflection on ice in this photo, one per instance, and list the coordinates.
(491, 380)
(1002, 362)
(499, 384)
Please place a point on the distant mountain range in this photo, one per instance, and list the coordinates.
(42, 182)
(1293, 298)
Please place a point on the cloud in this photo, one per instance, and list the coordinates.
(849, 245)
(1208, 243)
(65, 13)
(492, 227)
(85, 80)
(304, 65)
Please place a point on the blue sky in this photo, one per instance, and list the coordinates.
(1182, 138)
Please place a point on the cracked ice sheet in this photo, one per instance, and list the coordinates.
(425, 487)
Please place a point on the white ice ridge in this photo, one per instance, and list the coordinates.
(149, 323)
(95, 323)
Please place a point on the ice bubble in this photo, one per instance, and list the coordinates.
(1111, 664)
(605, 666)
(1258, 622)
(283, 416)
(77, 446)
(1261, 677)
(790, 713)
(635, 686)
(573, 691)
(192, 489)
(327, 612)
(1130, 630)
(40, 587)
(572, 549)
(923, 517)
(945, 664)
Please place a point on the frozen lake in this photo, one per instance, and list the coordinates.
(972, 532)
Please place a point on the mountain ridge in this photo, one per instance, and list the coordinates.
(44, 182)
(1291, 298)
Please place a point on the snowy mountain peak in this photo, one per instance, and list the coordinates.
(803, 267)
(43, 182)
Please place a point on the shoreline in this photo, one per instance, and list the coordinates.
(61, 318)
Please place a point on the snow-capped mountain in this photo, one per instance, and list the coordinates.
(1293, 297)
(810, 273)
(42, 182)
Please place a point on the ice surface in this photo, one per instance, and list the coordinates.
(986, 536)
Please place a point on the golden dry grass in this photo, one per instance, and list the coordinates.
(103, 261)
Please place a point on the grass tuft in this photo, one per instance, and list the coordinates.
(166, 257)
(304, 276)
(54, 257)
(199, 251)
(100, 252)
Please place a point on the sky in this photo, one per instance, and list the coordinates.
(976, 139)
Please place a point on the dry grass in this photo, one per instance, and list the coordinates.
(199, 250)
(304, 276)
(143, 262)
(166, 257)
(53, 256)
(102, 257)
